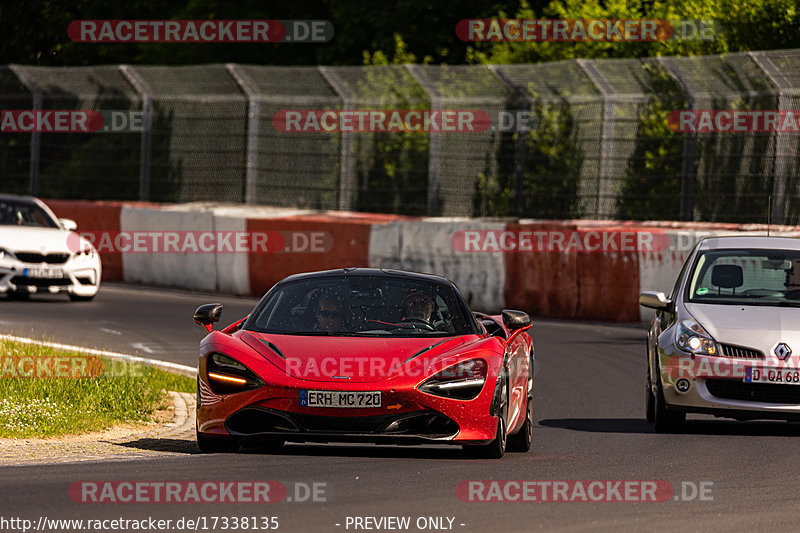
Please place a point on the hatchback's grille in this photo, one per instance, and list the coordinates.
(729, 350)
(36, 257)
(754, 392)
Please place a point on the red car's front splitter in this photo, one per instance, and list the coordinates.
(406, 416)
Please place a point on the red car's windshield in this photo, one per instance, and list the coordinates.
(362, 305)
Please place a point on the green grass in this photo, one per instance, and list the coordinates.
(57, 403)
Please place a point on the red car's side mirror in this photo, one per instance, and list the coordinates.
(516, 322)
(207, 314)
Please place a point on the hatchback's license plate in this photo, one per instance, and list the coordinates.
(339, 399)
(43, 272)
(772, 375)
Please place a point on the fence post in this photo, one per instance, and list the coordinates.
(253, 117)
(143, 88)
(435, 145)
(520, 147)
(347, 180)
(780, 172)
(36, 136)
(606, 138)
(689, 144)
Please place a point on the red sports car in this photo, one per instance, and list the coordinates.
(366, 355)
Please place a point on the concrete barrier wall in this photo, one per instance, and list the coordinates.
(427, 246)
(309, 243)
(181, 270)
(577, 269)
(100, 216)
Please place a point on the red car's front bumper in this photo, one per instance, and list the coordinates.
(406, 415)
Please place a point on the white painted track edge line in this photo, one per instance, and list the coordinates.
(175, 368)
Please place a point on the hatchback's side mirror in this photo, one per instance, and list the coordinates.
(654, 300)
(68, 224)
(207, 314)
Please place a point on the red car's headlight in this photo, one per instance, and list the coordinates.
(463, 381)
(226, 375)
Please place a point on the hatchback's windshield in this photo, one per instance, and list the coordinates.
(17, 213)
(362, 306)
(749, 277)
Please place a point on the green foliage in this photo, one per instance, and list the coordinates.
(652, 183)
(392, 166)
(48, 406)
(551, 170)
(741, 26)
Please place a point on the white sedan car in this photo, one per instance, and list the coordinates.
(726, 341)
(39, 252)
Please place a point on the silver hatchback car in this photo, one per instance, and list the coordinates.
(726, 342)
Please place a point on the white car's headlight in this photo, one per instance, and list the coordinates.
(87, 251)
(5, 254)
(691, 337)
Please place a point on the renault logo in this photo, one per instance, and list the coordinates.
(782, 351)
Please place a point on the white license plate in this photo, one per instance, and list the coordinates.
(339, 399)
(43, 272)
(772, 375)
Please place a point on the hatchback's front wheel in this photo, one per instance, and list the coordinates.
(666, 421)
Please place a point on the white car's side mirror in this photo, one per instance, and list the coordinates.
(68, 224)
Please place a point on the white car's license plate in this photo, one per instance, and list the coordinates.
(326, 398)
(772, 375)
(43, 272)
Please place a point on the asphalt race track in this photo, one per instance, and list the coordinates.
(589, 426)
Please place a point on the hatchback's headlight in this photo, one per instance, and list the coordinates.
(692, 338)
(5, 254)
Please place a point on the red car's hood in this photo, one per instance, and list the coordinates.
(347, 359)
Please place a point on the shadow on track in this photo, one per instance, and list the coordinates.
(152, 444)
(692, 427)
(366, 451)
(189, 447)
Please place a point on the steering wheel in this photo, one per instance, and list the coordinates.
(414, 322)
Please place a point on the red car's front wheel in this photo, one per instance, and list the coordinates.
(216, 444)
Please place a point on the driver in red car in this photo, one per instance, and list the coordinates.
(329, 313)
(418, 305)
